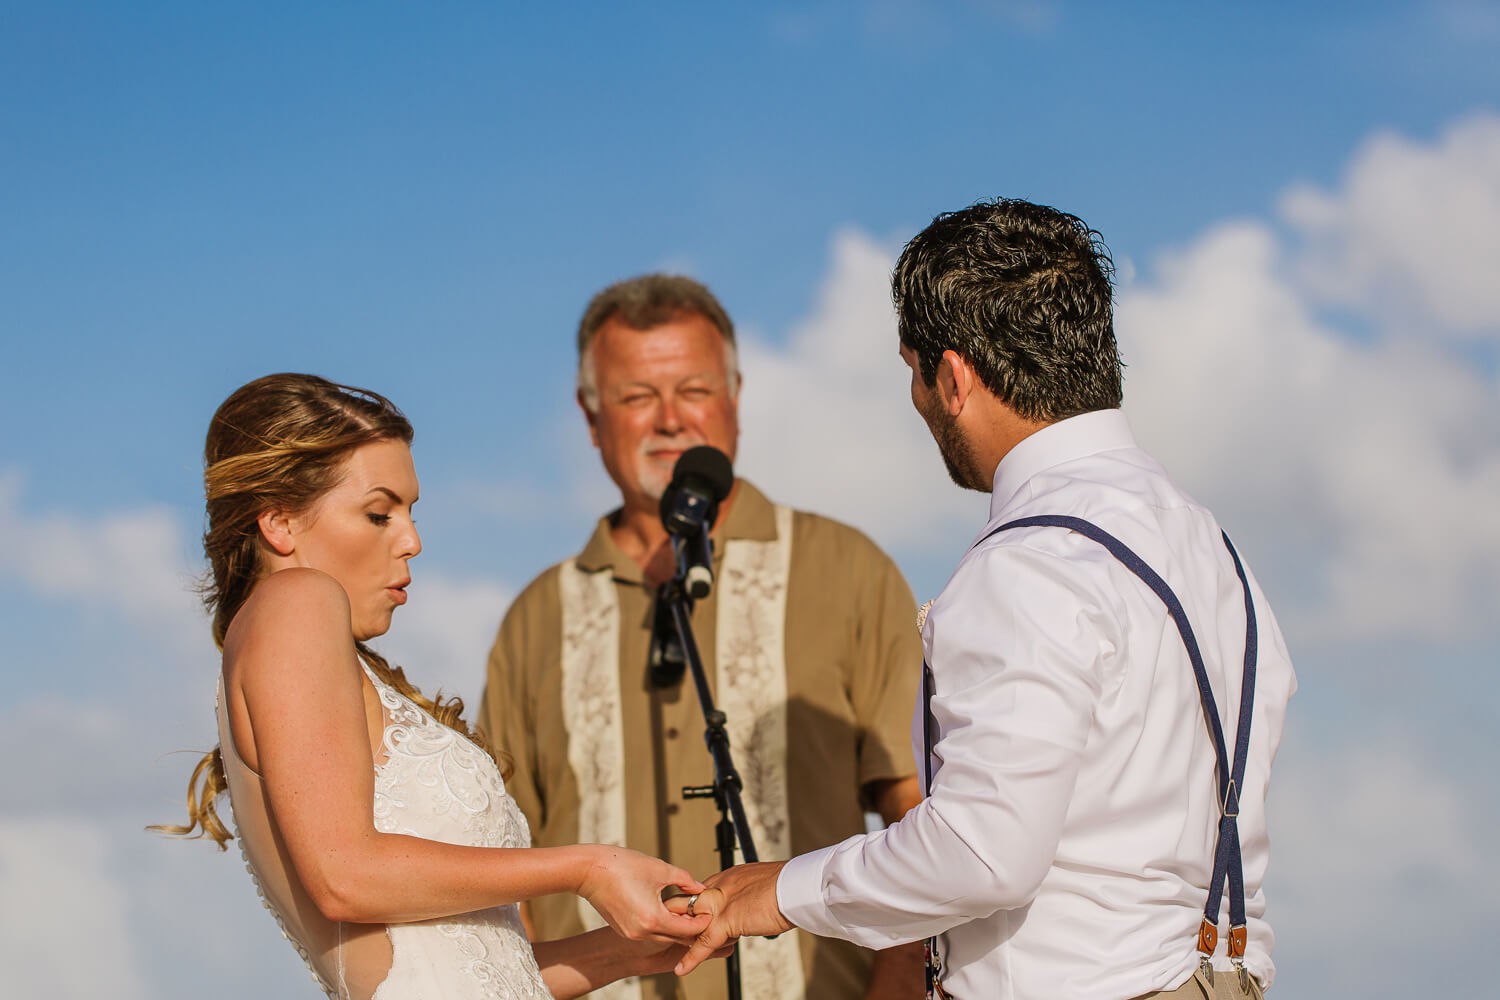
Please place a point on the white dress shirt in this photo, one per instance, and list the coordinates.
(1066, 845)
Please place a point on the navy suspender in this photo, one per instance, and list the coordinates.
(931, 961)
(1231, 776)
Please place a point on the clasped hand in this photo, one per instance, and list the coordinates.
(742, 902)
(626, 888)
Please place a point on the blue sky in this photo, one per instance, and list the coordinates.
(1303, 204)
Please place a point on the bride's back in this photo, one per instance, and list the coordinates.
(347, 960)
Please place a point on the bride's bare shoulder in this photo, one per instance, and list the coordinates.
(297, 586)
(291, 608)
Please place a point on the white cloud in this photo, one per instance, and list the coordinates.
(83, 769)
(1374, 463)
(1376, 852)
(827, 418)
(91, 904)
(64, 927)
(131, 561)
(1411, 232)
(94, 906)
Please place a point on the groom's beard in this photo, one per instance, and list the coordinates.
(958, 454)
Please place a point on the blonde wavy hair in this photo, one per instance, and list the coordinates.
(280, 442)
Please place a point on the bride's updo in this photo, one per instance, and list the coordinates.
(280, 443)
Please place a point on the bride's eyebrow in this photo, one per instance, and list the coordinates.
(395, 497)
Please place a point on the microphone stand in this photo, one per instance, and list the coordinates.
(725, 791)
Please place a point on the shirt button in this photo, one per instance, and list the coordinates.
(673, 809)
(672, 732)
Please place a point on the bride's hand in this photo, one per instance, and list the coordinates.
(648, 958)
(626, 886)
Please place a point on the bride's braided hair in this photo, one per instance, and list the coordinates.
(280, 442)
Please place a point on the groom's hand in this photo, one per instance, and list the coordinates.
(742, 901)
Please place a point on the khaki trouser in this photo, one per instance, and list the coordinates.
(1224, 985)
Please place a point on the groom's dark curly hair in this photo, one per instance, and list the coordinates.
(1023, 292)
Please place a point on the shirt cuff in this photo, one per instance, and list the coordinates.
(799, 893)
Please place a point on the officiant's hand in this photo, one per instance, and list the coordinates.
(742, 902)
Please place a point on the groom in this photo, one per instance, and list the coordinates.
(1083, 805)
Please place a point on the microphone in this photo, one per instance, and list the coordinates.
(701, 479)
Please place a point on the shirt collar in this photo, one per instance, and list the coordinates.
(1073, 438)
(751, 517)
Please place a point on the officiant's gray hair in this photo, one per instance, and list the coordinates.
(644, 303)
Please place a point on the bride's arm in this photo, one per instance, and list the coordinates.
(296, 696)
(583, 963)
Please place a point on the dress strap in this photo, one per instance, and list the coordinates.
(369, 671)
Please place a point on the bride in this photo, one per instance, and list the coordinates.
(377, 829)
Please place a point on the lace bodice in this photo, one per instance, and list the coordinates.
(437, 785)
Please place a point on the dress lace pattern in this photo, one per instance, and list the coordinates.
(437, 785)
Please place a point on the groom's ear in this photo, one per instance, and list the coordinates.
(956, 381)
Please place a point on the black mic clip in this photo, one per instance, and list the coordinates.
(701, 479)
(666, 661)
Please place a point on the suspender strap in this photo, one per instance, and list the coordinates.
(929, 724)
(1231, 774)
(932, 961)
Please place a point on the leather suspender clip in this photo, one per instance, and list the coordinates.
(1208, 937)
(1237, 941)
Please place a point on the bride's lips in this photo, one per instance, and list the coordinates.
(398, 592)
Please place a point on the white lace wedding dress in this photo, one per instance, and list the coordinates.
(435, 784)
